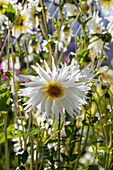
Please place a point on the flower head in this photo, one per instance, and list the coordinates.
(57, 90)
(71, 9)
(21, 23)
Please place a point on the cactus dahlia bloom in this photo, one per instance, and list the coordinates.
(54, 91)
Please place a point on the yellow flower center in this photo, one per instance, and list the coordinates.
(75, 10)
(3, 6)
(19, 21)
(98, 27)
(54, 90)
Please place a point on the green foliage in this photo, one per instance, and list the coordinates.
(94, 125)
(4, 99)
(93, 167)
(8, 74)
(10, 12)
(84, 56)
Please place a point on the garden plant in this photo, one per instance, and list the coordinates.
(56, 85)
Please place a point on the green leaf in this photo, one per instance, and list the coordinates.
(94, 148)
(68, 130)
(19, 132)
(93, 167)
(106, 38)
(73, 157)
(111, 168)
(10, 12)
(71, 55)
(34, 132)
(2, 139)
(4, 99)
(8, 73)
(85, 122)
(85, 22)
(84, 55)
(65, 157)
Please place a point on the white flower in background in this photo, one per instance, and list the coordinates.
(56, 90)
(21, 23)
(106, 6)
(71, 9)
(96, 46)
(34, 46)
(33, 9)
(45, 46)
(17, 65)
(65, 38)
(95, 26)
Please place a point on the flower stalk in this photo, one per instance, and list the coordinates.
(6, 141)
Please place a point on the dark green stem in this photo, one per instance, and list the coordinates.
(6, 141)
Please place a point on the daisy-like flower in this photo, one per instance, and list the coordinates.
(33, 9)
(21, 24)
(96, 26)
(71, 9)
(57, 90)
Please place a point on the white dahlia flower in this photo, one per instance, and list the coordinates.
(54, 91)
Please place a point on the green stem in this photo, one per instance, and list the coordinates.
(4, 45)
(26, 53)
(44, 18)
(59, 138)
(16, 100)
(80, 153)
(6, 141)
(53, 20)
(32, 144)
(100, 59)
(37, 146)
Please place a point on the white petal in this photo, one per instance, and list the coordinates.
(47, 67)
(43, 74)
(48, 106)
